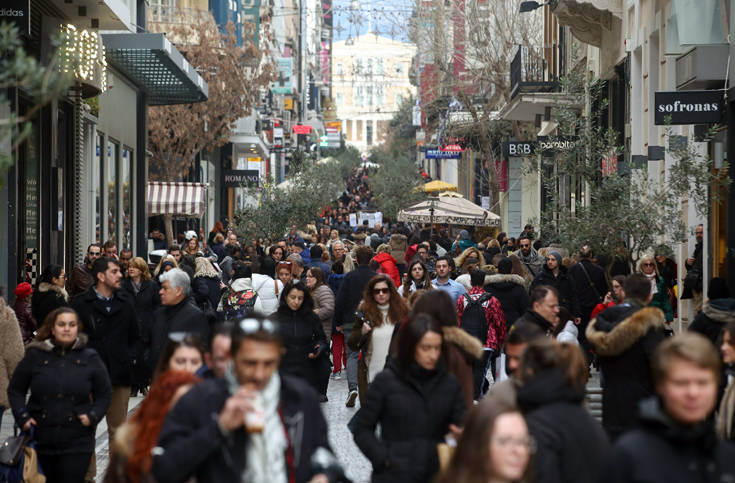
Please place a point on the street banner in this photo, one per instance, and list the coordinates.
(372, 218)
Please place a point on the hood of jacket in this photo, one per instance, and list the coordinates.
(398, 245)
(49, 287)
(384, 257)
(240, 284)
(48, 344)
(504, 282)
(653, 417)
(547, 387)
(463, 340)
(720, 310)
(616, 339)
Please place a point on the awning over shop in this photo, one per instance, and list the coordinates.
(156, 67)
(176, 198)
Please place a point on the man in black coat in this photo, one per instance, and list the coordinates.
(348, 297)
(555, 275)
(215, 432)
(624, 338)
(544, 310)
(110, 321)
(590, 285)
(675, 440)
(178, 313)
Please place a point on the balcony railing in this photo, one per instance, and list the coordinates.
(529, 72)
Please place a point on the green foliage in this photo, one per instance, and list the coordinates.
(311, 189)
(396, 184)
(629, 213)
(43, 82)
(401, 137)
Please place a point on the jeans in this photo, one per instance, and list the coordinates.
(352, 359)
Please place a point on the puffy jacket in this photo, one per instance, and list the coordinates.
(269, 291)
(624, 338)
(324, 305)
(26, 322)
(713, 317)
(63, 384)
(510, 290)
(414, 410)
(562, 427)
(388, 265)
(661, 451)
(114, 334)
(47, 298)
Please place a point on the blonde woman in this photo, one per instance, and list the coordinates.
(165, 264)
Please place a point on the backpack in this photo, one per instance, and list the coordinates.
(238, 305)
(474, 321)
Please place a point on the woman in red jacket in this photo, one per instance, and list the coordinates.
(387, 264)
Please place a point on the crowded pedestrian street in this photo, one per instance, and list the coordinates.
(351, 241)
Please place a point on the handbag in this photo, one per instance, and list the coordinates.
(11, 450)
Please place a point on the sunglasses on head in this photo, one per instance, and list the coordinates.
(251, 326)
(180, 336)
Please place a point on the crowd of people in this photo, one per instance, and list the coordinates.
(469, 359)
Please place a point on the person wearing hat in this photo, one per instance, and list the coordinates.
(22, 308)
(192, 244)
(463, 241)
(554, 274)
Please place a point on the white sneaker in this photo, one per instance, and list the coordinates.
(351, 399)
(337, 375)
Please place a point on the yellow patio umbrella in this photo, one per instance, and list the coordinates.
(438, 185)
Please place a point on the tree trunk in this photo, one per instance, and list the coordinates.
(168, 224)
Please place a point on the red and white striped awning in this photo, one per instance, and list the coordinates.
(176, 198)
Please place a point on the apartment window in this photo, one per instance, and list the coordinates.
(369, 68)
(369, 95)
(340, 99)
(162, 10)
(359, 94)
(340, 68)
(399, 68)
(369, 133)
(381, 66)
(358, 66)
(380, 95)
(358, 127)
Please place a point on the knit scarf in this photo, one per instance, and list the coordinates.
(266, 451)
(654, 282)
(384, 311)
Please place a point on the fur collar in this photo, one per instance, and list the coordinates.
(626, 333)
(48, 345)
(45, 287)
(721, 310)
(501, 278)
(464, 340)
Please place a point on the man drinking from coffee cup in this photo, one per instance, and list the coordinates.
(252, 425)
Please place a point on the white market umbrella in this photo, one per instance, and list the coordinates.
(449, 210)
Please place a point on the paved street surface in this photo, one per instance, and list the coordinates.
(358, 467)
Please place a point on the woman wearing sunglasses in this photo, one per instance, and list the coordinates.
(647, 266)
(380, 309)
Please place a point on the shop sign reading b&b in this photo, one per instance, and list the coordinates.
(688, 107)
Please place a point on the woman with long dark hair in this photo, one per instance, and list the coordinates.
(50, 293)
(183, 352)
(416, 402)
(379, 311)
(131, 456)
(495, 446)
(417, 277)
(69, 394)
(302, 334)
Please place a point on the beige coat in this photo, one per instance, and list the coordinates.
(324, 307)
(11, 349)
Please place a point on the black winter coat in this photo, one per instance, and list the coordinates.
(349, 296)
(206, 289)
(114, 334)
(45, 299)
(193, 444)
(414, 412)
(531, 317)
(147, 301)
(571, 446)
(302, 334)
(589, 283)
(624, 338)
(563, 284)
(511, 293)
(64, 383)
(661, 451)
(713, 317)
(182, 317)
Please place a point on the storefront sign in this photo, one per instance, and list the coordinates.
(302, 129)
(518, 149)
(236, 178)
(439, 154)
(82, 51)
(455, 148)
(17, 12)
(688, 107)
(288, 103)
(284, 83)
